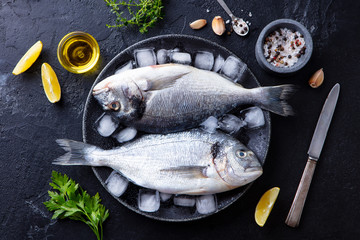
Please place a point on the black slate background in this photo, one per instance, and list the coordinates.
(29, 124)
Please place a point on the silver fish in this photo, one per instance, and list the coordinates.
(172, 97)
(190, 162)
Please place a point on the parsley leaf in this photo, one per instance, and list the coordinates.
(71, 201)
(143, 13)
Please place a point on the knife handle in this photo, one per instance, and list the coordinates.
(293, 218)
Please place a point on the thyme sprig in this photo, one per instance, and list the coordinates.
(141, 13)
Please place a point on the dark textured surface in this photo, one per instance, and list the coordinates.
(29, 124)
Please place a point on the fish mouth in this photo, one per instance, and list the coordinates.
(97, 91)
(254, 170)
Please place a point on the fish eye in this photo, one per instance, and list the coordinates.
(240, 153)
(114, 106)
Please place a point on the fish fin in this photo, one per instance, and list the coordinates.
(274, 99)
(75, 155)
(165, 82)
(187, 171)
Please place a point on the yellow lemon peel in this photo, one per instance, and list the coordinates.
(28, 59)
(50, 83)
(265, 205)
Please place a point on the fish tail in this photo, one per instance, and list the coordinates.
(274, 99)
(76, 153)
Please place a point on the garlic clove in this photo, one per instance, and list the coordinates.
(218, 25)
(317, 78)
(200, 23)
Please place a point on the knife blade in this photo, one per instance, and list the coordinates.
(316, 145)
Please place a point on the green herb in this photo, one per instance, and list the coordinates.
(142, 13)
(71, 201)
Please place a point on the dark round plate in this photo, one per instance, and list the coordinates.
(256, 139)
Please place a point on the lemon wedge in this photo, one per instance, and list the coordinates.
(28, 59)
(265, 205)
(50, 83)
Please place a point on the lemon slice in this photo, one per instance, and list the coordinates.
(265, 205)
(28, 59)
(50, 83)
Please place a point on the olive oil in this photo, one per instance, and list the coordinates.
(78, 52)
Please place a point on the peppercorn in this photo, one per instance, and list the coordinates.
(289, 56)
(286, 63)
(298, 55)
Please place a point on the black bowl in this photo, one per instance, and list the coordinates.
(257, 139)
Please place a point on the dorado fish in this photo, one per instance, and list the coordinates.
(172, 97)
(191, 162)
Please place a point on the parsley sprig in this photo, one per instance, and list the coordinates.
(71, 201)
(142, 13)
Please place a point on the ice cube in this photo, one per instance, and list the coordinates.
(148, 200)
(145, 57)
(219, 62)
(210, 124)
(180, 57)
(165, 196)
(233, 68)
(162, 56)
(175, 50)
(126, 134)
(116, 184)
(184, 201)
(230, 123)
(206, 204)
(106, 125)
(204, 60)
(253, 116)
(127, 66)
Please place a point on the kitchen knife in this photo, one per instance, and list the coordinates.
(316, 145)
